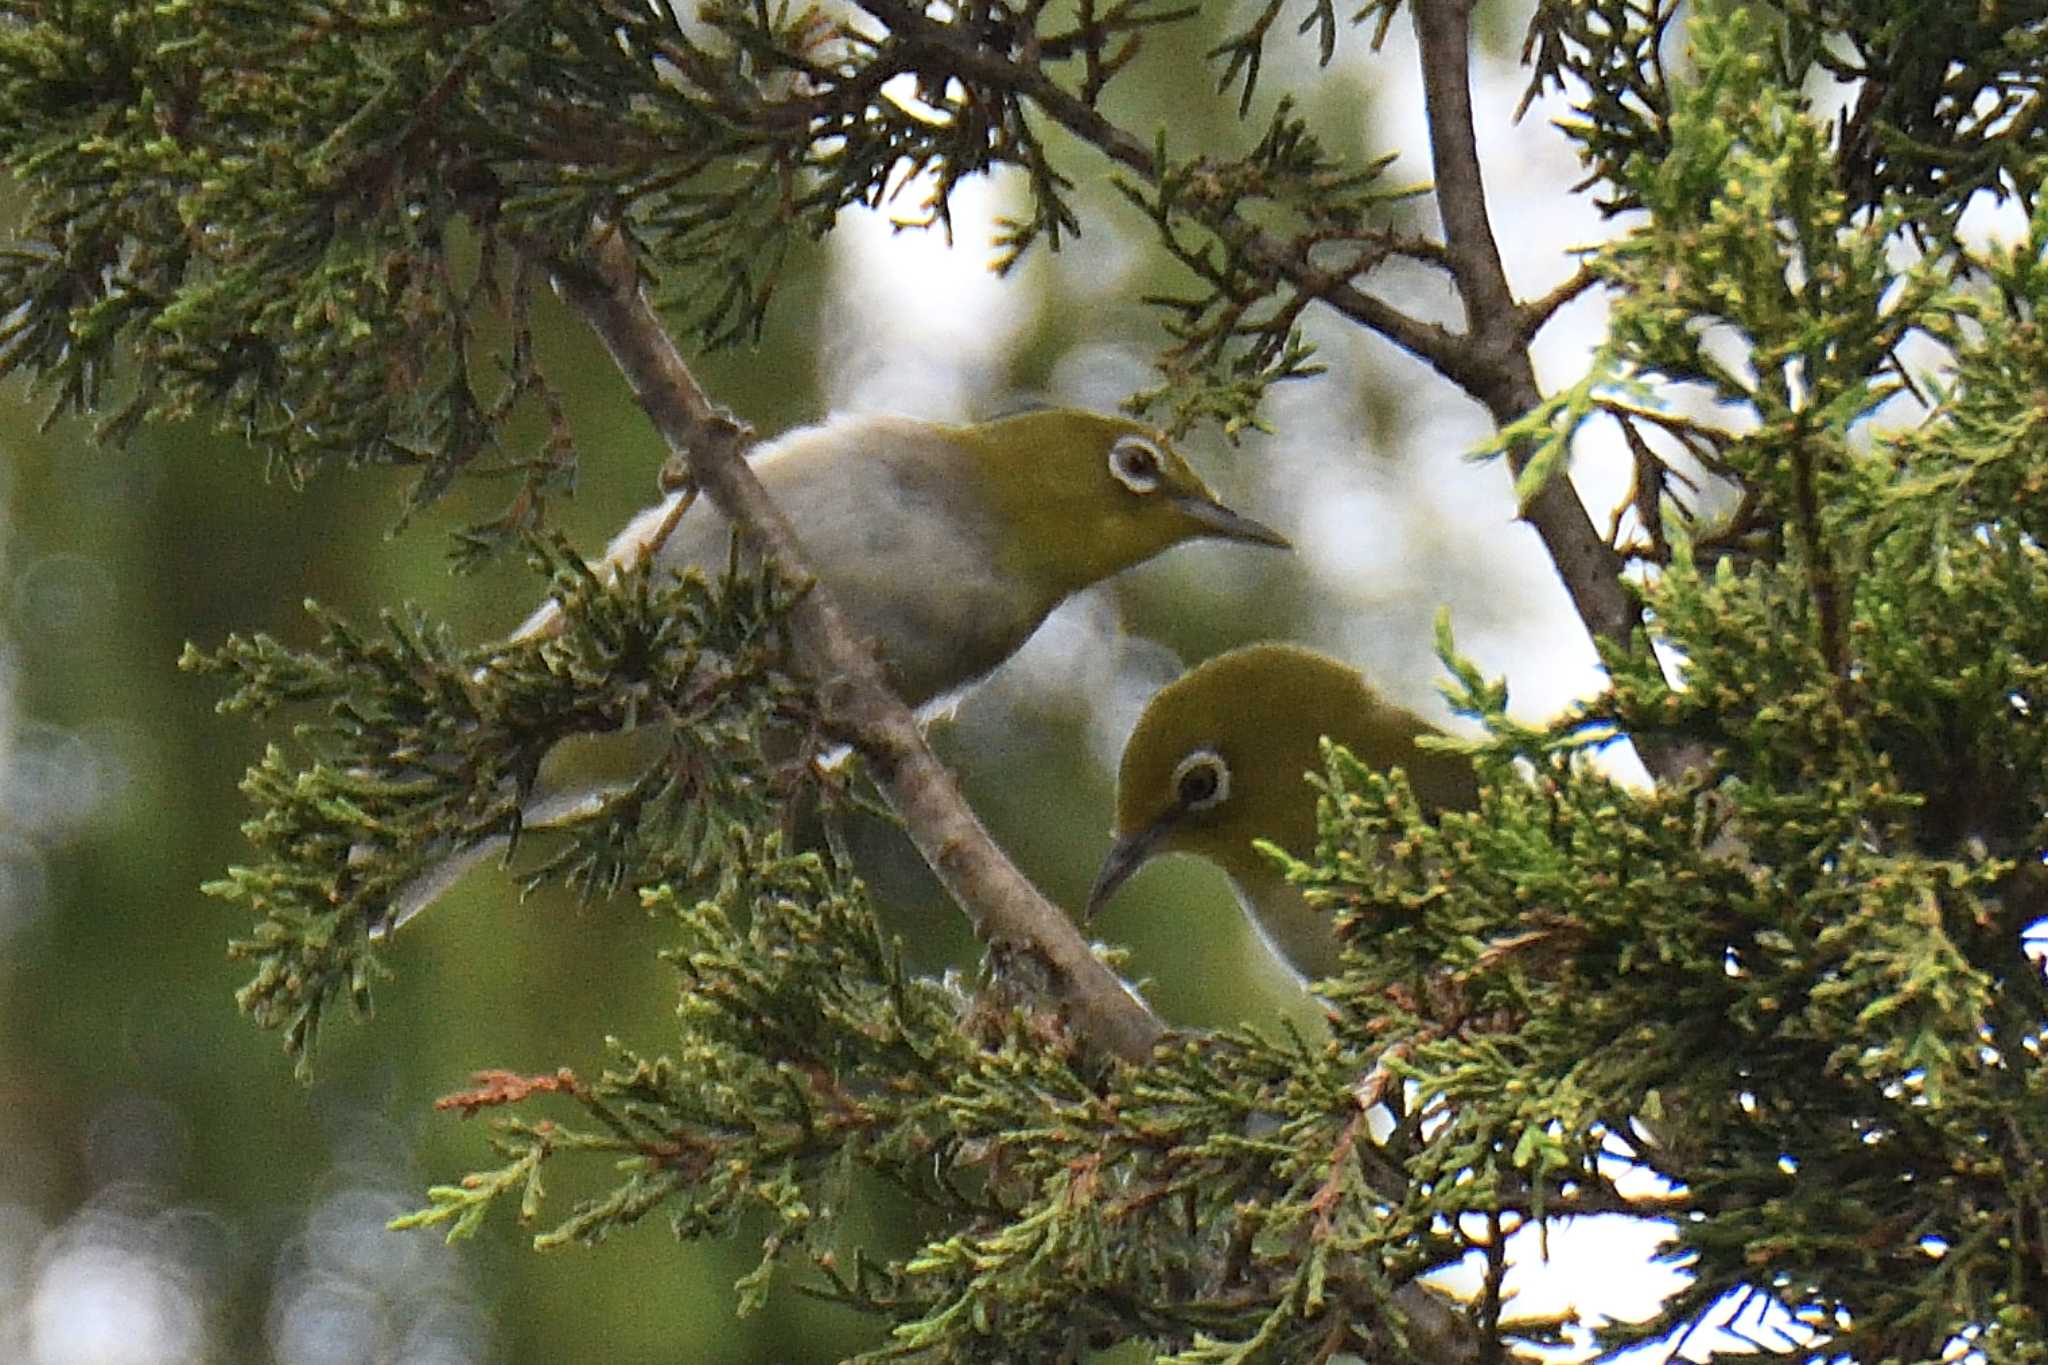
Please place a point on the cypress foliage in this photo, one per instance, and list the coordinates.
(1793, 978)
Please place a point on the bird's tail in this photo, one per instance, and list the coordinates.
(549, 811)
(430, 885)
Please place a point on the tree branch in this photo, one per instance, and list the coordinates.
(1443, 350)
(604, 288)
(1532, 315)
(1495, 329)
(1489, 361)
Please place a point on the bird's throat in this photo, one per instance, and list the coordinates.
(1302, 936)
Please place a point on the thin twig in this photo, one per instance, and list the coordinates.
(1490, 1293)
(1531, 316)
(604, 287)
(1820, 571)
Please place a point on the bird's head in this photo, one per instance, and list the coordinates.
(1220, 758)
(1089, 495)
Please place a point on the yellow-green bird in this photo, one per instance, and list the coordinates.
(949, 545)
(946, 546)
(1220, 758)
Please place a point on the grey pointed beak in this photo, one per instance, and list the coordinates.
(1125, 856)
(1217, 520)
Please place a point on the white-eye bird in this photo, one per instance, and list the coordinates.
(946, 546)
(1220, 758)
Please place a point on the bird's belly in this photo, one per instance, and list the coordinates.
(1296, 932)
(935, 605)
(939, 623)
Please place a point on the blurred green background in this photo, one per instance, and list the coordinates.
(169, 1193)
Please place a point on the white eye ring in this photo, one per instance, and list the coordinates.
(1137, 463)
(1201, 781)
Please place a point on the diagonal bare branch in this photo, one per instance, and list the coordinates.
(605, 289)
(1442, 349)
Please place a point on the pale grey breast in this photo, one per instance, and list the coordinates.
(899, 533)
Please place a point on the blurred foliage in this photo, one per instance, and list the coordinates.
(1793, 983)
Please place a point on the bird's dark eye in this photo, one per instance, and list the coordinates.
(1202, 780)
(1136, 463)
